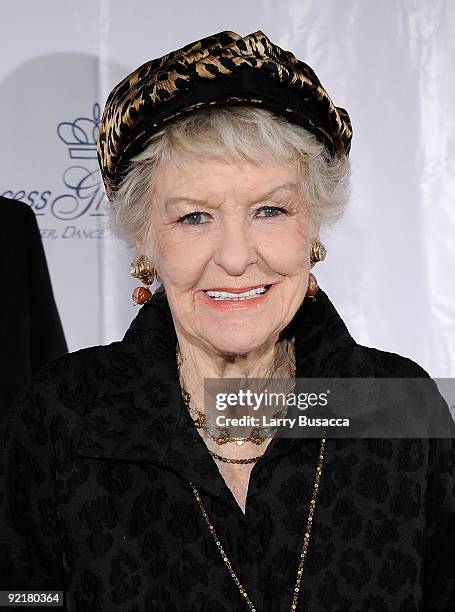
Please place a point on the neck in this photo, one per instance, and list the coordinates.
(276, 362)
(195, 364)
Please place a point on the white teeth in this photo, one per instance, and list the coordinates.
(222, 295)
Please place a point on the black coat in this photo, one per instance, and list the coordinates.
(96, 496)
(30, 330)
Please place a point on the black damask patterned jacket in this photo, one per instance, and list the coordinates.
(95, 495)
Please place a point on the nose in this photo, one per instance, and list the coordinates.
(235, 250)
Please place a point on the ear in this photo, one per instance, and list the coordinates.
(314, 233)
(145, 245)
(137, 250)
(141, 248)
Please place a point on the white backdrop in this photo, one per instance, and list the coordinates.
(390, 264)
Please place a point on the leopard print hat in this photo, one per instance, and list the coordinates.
(222, 69)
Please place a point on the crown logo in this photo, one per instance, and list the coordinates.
(81, 135)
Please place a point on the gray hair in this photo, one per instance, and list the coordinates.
(240, 133)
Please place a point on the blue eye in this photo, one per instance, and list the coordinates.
(191, 217)
(273, 208)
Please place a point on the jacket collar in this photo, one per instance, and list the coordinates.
(139, 414)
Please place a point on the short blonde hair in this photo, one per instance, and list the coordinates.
(240, 133)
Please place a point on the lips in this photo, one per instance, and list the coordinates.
(237, 299)
(237, 296)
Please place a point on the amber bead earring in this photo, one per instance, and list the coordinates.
(145, 272)
(312, 287)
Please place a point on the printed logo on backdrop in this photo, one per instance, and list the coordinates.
(63, 212)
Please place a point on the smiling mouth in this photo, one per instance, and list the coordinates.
(236, 295)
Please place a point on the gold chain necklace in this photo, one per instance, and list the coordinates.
(306, 537)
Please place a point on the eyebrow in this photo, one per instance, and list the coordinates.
(284, 187)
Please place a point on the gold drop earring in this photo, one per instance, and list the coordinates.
(318, 253)
(146, 273)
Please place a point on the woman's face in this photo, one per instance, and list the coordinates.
(230, 227)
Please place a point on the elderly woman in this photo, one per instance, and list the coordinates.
(222, 161)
